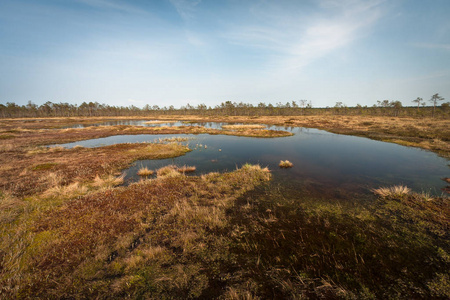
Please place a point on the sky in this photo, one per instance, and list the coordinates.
(175, 52)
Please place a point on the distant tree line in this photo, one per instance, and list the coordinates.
(229, 108)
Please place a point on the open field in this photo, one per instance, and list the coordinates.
(69, 229)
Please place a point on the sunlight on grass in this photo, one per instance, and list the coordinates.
(397, 191)
(145, 172)
(168, 171)
(187, 169)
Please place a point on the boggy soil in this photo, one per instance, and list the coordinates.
(68, 229)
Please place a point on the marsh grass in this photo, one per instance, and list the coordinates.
(300, 247)
(6, 136)
(145, 172)
(74, 165)
(175, 139)
(66, 191)
(168, 171)
(44, 166)
(187, 169)
(285, 164)
(10, 208)
(398, 191)
(243, 127)
(152, 239)
(6, 147)
(209, 236)
(107, 181)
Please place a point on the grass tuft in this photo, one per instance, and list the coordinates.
(187, 169)
(168, 171)
(65, 191)
(285, 164)
(145, 172)
(108, 181)
(398, 191)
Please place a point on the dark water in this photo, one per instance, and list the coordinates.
(324, 163)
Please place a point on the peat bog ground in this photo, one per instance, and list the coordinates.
(70, 228)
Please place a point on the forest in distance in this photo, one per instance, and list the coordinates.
(434, 107)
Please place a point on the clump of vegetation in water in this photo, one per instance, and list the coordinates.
(168, 171)
(145, 172)
(285, 164)
(187, 169)
(398, 191)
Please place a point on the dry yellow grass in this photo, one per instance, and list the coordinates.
(168, 171)
(145, 172)
(107, 181)
(70, 190)
(285, 164)
(99, 243)
(397, 191)
(187, 169)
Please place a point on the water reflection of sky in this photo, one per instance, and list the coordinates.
(153, 123)
(322, 161)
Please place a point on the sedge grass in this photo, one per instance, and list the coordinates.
(397, 191)
(145, 172)
(168, 171)
(153, 238)
(187, 169)
(285, 164)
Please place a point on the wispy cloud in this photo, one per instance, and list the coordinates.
(303, 39)
(185, 8)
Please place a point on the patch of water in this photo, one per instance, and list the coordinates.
(154, 123)
(324, 163)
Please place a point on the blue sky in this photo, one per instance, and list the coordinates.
(174, 52)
